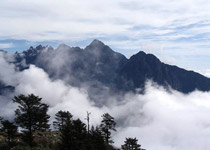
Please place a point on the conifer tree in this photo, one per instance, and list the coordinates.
(61, 118)
(31, 115)
(96, 141)
(79, 134)
(73, 135)
(66, 136)
(131, 144)
(107, 125)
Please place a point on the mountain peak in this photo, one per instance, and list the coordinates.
(32, 51)
(97, 43)
(99, 63)
(97, 47)
(63, 46)
(143, 55)
(40, 47)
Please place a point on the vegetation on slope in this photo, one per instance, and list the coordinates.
(30, 130)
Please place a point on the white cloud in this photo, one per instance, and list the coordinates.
(167, 121)
(56, 94)
(6, 45)
(170, 121)
(39, 20)
(159, 119)
(180, 27)
(7, 74)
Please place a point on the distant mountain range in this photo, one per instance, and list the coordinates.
(103, 70)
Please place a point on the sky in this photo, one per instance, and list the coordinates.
(177, 31)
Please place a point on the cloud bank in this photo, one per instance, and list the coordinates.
(159, 119)
(168, 121)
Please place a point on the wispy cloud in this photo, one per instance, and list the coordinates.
(178, 27)
(6, 45)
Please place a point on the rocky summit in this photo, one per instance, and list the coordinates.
(100, 69)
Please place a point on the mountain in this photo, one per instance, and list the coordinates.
(102, 70)
(142, 66)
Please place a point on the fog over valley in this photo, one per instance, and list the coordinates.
(160, 116)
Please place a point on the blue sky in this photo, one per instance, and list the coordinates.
(178, 32)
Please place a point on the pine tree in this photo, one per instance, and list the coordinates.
(73, 135)
(107, 125)
(66, 136)
(131, 144)
(79, 134)
(31, 115)
(61, 117)
(95, 140)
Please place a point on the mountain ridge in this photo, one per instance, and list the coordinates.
(102, 70)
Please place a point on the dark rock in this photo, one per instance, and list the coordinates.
(99, 68)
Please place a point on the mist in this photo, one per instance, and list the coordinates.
(160, 119)
(167, 121)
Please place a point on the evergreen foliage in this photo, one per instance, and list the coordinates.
(107, 125)
(131, 144)
(96, 140)
(69, 134)
(61, 118)
(31, 115)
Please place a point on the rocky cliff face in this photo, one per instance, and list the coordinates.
(102, 70)
(141, 67)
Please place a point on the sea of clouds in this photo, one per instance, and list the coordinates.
(160, 119)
